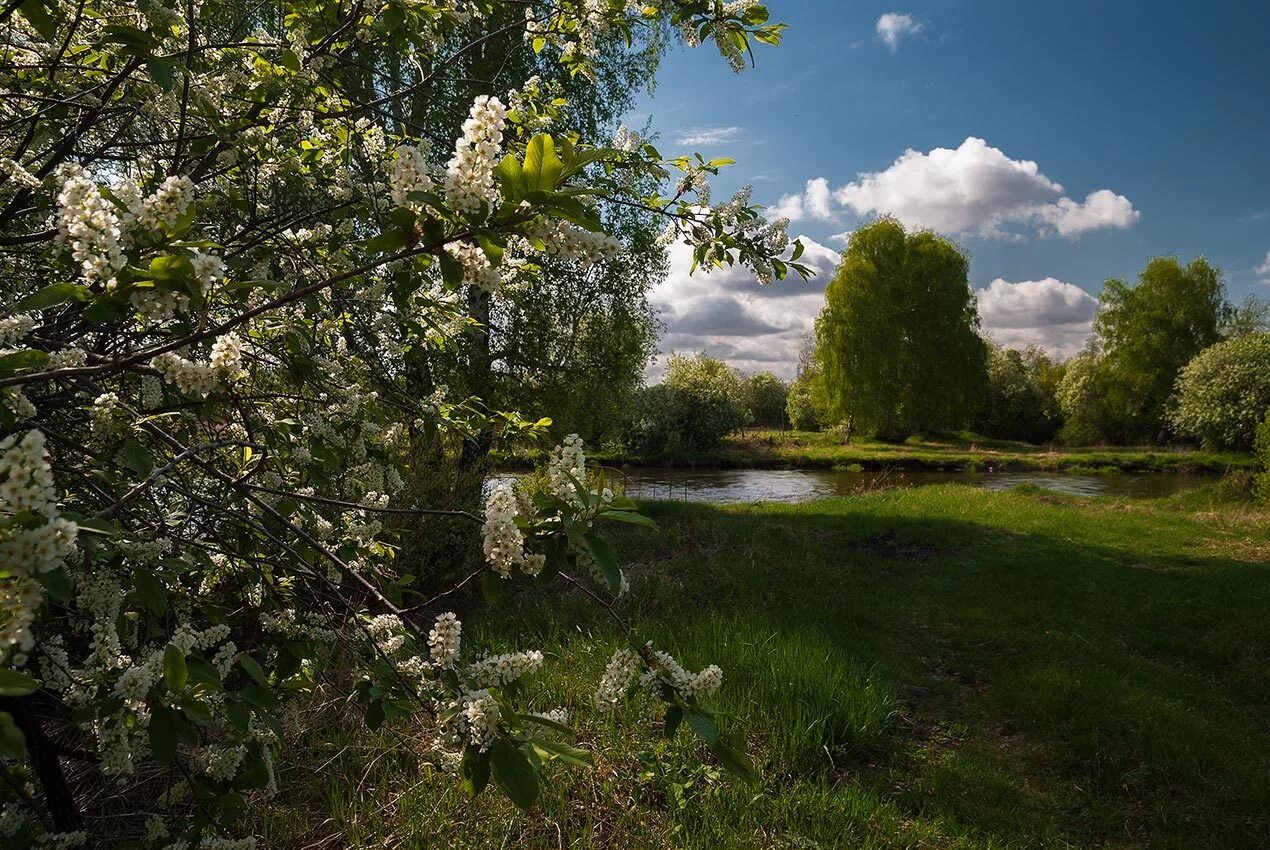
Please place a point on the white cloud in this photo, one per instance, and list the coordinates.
(726, 312)
(893, 26)
(973, 189)
(1263, 270)
(842, 238)
(1051, 313)
(814, 202)
(1103, 208)
(708, 135)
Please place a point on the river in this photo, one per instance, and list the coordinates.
(800, 485)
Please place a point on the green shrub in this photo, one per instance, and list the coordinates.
(1224, 392)
(700, 400)
(764, 396)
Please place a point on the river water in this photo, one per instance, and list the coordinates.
(800, 485)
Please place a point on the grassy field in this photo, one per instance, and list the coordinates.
(810, 449)
(940, 667)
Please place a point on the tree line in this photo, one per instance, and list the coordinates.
(899, 350)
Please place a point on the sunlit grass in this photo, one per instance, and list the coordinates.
(940, 667)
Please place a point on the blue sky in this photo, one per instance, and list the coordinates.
(1014, 113)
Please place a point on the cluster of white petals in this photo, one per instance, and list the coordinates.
(566, 471)
(200, 379)
(627, 669)
(31, 547)
(503, 542)
(88, 225)
(469, 175)
(409, 173)
(13, 329)
(497, 670)
(444, 640)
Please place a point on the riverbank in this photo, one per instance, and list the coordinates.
(931, 667)
(816, 450)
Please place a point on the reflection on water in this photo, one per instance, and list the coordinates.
(800, 485)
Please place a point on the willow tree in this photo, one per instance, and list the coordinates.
(898, 339)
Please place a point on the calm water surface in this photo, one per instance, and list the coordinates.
(800, 485)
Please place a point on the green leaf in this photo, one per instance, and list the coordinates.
(512, 179)
(631, 517)
(253, 668)
(702, 726)
(161, 72)
(544, 721)
(542, 166)
(604, 558)
(474, 770)
(175, 672)
(14, 683)
(262, 697)
(798, 250)
(162, 733)
(203, 672)
(137, 457)
(451, 270)
(152, 591)
(375, 715)
(674, 716)
(12, 741)
(18, 360)
(514, 774)
(51, 296)
(197, 710)
(492, 587)
(564, 752)
(734, 760)
(42, 16)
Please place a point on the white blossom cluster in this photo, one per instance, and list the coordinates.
(503, 542)
(31, 548)
(478, 271)
(569, 242)
(497, 670)
(566, 470)
(13, 329)
(445, 640)
(200, 379)
(164, 207)
(628, 668)
(469, 175)
(88, 226)
(409, 173)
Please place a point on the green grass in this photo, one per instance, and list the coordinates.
(937, 667)
(822, 450)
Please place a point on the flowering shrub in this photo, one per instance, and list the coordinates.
(1223, 394)
(229, 245)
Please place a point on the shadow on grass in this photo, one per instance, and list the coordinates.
(1049, 669)
(937, 667)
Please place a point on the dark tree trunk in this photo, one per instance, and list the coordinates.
(27, 712)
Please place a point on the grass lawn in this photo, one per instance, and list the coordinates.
(821, 450)
(940, 667)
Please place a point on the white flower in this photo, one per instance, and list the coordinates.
(469, 175)
(504, 544)
(444, 640)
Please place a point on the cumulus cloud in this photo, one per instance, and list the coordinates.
(1263, 270)
(727, 313)
(972, 189)
(814, 202)
(708, 135)
(893, 26)
(1051, 313)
